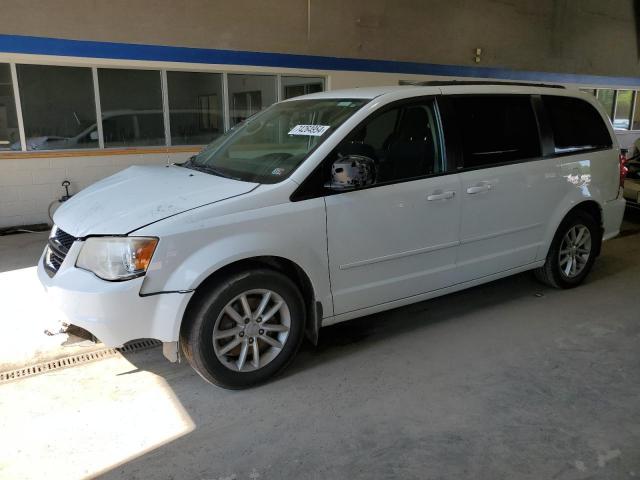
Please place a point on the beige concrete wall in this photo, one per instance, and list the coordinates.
(574, 36)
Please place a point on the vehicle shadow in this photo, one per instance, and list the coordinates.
(336, 363)
(342, 339)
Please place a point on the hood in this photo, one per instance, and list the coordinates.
(141, 195)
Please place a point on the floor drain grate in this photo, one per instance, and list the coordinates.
(73, 360)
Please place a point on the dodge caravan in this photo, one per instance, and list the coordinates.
(332, 206)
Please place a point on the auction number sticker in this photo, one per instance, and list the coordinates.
(309, 130)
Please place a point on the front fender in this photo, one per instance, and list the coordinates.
(194, 247)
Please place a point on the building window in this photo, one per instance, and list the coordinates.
(58, 107)
(195, 107)
(606, 98)
(131, 103)
(248, 94)
(635, 121)
(9, 134)
(296, 86)
(624, 100)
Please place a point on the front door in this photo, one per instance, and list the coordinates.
(398, 237)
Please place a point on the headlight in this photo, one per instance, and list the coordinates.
(117, 258)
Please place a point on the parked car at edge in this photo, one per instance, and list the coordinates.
(333, 206)
(632, 184)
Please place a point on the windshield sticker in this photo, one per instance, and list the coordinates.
(277, 171)
(310, 130)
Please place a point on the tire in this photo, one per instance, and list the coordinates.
(220, 309)
(559, 273)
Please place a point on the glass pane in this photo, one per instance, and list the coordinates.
(248, 94)
(635, 125)
(271, 145)
(623, 109)
(402, 142)
(131, 103)
(58, 107)
(195, 107)
(576, 125)
(605, 96)
(9, 136)
(296, 86)
(496, 129)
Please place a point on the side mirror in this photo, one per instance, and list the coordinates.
(352, 172)
(93, 135)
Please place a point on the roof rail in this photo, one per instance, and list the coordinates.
(442, 83)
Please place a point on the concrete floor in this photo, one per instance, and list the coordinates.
(25, 312)
(510, 380)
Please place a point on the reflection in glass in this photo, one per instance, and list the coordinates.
(296, 86)
(623, 109)
(605, 97)
(195, 107)
(131, 102)
(58, 107)
(9, 135)
(635, 125)
(271, 145)
(248, 94)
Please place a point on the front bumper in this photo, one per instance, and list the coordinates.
(114, 312)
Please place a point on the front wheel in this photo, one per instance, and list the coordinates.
(245, 329)
(572, 252)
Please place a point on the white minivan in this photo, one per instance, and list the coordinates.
(332, 206)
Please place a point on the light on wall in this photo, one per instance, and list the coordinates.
(478, 55)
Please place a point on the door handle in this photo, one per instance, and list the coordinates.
(479, 189)
(441, 196)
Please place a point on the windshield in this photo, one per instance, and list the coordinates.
(269, 146)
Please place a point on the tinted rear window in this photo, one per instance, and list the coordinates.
(496, 129)
(576, 125)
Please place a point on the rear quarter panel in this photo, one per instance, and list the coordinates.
(588, 176)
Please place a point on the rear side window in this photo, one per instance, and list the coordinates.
(576, 125)
(496, 129)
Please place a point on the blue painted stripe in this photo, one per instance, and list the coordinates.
(130, 51)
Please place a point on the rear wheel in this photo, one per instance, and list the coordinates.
(244, 330)
(572, 252)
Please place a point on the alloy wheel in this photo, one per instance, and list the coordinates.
(251, 330)
(575, 251)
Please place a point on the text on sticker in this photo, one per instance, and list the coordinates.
(311, 130)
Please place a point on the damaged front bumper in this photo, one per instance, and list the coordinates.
(114, 312)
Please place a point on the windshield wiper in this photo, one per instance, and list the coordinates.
(209, 169)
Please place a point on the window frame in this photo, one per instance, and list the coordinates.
(452, 128)
(631, 108)
(166, 146)
(313, 186)
(96, 101)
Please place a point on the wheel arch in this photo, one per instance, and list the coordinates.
(590, 206)
(289, 268)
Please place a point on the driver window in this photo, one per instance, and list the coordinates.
(403, 142)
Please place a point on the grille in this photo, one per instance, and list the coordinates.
(59, 244)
